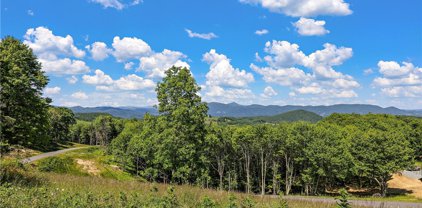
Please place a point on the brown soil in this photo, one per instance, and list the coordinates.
(409, 184)
(88, 166)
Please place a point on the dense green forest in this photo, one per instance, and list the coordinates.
(296, 115)
(183, 145)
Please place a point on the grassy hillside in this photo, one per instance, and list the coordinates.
(89, 178)
(296, 115)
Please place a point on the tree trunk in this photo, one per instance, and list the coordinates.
(382, 182)
(289, 174)
(247, 169)
(275, 183)
(220, 168)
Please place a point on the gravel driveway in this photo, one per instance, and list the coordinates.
(47, 154)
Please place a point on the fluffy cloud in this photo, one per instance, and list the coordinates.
(217, 93)
(283, 54)
(206, 36)
(282, 76)
(98, 79)
(222, 73)
(99, 51)
(49, 46)
(262, 32)
(129, 48)
(393, 69)
(116, 4)
(269, 92)
(133, 82)
(80, 95)
(130, 82)
(284, 59)
(109, 98)
(399, 80)
(52, 90)
(322, 61)
(309, 27)
(304, 8)
(156, 64)
(54, 52)
(64, 66)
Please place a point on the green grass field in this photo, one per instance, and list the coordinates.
(73, 185)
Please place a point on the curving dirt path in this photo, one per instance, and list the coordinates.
(48, 154)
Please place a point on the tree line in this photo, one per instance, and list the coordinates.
(183, 145)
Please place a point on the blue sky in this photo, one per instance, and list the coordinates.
(306, 52)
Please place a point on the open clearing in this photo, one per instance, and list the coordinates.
(413, 186)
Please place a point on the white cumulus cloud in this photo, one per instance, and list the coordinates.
(54, 51)
(399, 80)
(156, 64)
(99, 51)
(269, 92)
(304, 8)
(100, 78)
(206, 36)
(262, 32)
(52, 90)
(129, 48)
(80, 95)
(116, 4)
(310, 27)
(222, 73)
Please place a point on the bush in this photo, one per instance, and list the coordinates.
(207, 203)
(13, 171)
(55, 164)
(4, 148)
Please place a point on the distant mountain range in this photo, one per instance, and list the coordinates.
(237, 110)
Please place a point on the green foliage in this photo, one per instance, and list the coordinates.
(170, 199)
(60, 121)
(4, 147)
(282, 203)
(208, 203)
(13, 172)
(55, 164)
(248, 203)
(343, 200)
(291, 116)
(232, 201)
(23, 110)
(89, 116)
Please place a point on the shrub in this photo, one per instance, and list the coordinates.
(13, 171)
(55, 164)
(207, 203)
(4, 148)
(170, 199)
(248, 203)
(343, 199)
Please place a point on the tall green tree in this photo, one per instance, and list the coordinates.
(378, 154)
(61, 120)
(23, 110)
(184, 115)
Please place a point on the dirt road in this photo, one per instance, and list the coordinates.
(48, 154)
